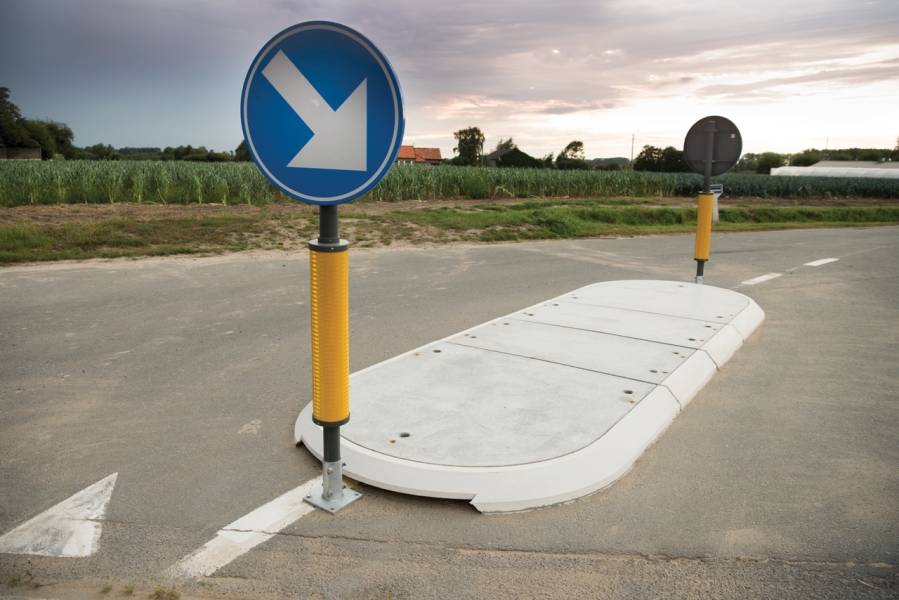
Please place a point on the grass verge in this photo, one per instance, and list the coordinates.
(115, 238)
(131, 237)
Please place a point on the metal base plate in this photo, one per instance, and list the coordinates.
(319, 501)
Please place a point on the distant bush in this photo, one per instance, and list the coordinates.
(515, 158)
(872, 155)
(658, 160)
(806, 158)
(768, 161)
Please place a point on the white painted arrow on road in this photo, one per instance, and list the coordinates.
(339, 136)
(71, 528)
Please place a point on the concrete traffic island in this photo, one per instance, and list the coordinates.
(545, 405)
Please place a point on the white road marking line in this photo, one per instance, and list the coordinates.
(247, 532)
(71, 528)
(823, 261)
(761, 278)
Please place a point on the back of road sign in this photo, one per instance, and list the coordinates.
(322, 113)
(728, 145)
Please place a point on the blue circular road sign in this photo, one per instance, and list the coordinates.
(322, 113)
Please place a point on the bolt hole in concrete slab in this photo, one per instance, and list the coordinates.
(547, 392)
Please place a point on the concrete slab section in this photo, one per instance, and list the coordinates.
(544, 405)
(460, 406)
(660, 328)
(622, 356)
(671, 298)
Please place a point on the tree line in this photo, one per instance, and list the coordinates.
(469, 151)
(56, 141)
(764, 162)
(16, 131)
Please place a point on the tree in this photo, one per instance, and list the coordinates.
(768, 161)
(143, 153)
(242, 154)
(63, 137)
(649, 159)
(673, 161)
(572, 157)
(747, 163)
(470, 148)
(178, 153)
(10, 134)
(574, 149)
(214, 156)
(605, 164)
(870, 155)
(200, 154)
(659, 160)
(37, 135)
(806, 158)
(548, 160)
(505, 145)
(51, 137)
(102, 152)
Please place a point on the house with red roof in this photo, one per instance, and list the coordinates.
(410, 155)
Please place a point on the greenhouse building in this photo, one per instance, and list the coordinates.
(839, 168)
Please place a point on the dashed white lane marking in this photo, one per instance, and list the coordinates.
(247, 532)
(71, 528)
(823, 261)
(761, 278)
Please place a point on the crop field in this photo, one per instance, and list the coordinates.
(92, 182)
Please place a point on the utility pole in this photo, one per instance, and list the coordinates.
(633, 135)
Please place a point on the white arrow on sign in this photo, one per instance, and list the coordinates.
(338, 136)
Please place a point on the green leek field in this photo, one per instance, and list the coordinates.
(110, 182)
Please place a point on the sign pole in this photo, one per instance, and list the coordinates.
(330, 324)
(706, 201)
(326, 156)
(712, 147)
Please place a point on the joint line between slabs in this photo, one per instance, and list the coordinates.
(552, 362)
(621, 335)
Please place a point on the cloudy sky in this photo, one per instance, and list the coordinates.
(790, 74)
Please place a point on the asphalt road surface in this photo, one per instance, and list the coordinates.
(185, 377)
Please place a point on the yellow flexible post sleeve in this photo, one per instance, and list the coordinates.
(329, 300)
(704, 227)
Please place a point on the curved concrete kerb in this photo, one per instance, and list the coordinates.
(544, 405)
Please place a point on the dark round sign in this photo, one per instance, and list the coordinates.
(726, 145)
